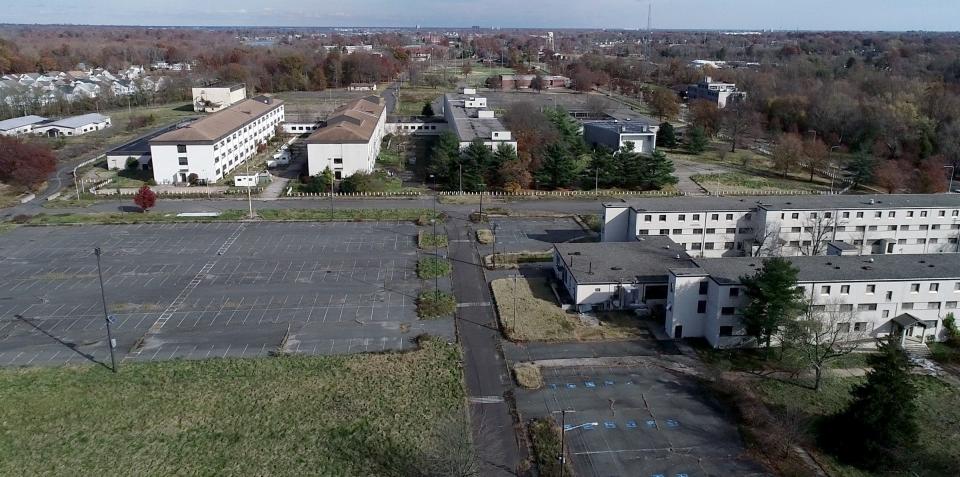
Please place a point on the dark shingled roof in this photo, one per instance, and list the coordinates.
(647, 260)
(352, 123)
(792, 202)
(222, 123)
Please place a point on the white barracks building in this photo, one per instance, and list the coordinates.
(350, 142)
(215, 145)
(792, 225)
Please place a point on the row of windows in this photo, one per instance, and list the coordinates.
(694, 217)
(871, 289)
(876, 214)
(729, 230)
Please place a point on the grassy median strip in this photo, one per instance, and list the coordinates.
(435, 304)
(372, 414)
(485, 236)
(433, 267)
(545, 437)
(315, 215)
(539, 318)
(344, 214)
(426, 240)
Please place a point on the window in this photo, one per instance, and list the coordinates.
(677, 231)
(696, 216)
(906, 306)
(934, 287)
(878, 214)
(702, 306)
(818, 308)
(894, 227)
(729, 216)
(859, 215)
(861, 228)
(644, 232)
(844, 289)
(726, 331)
(950, 305)
(921, 241)
(709, 231)
(714, 216)
(825, 290)
(828, 214)
(909, 214)
(942, 213)
(695, 246)
(182, 161)
(914, 288)
(181, 148)
(843, 327)
(892, 214)
(933, 305)
(682, 217)
(795, 215)
(663, 218)
(734, 292)
(871, 289)
(338, 160)
(728, 245)
(861, 326)
(708, 246)
(795, 230)
(647, 218)
(664, 231)
(846, 307)
(596, 289)
(867, 307)
(704, 287)
(728, 310)
(889, 295)
(872, 228)
(846, 215)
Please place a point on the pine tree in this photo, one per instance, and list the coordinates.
(657, 171)
(494, 173)
(604, 170)
(879, 425)
(697, 140)
(557, 169)
(471, 166)
(774, 299)
(666, 135)
(445, 150)
(427, 109)
(630, 167)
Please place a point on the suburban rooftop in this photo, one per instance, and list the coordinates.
(631, 127)
(354, 122)
(222, 123)
(78, 121)
(792, 202)
(20, 122)
(468, 128)
(648, 259)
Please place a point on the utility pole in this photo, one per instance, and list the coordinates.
(249, 193)
(436, 255)
(596, 182)
(952, 170)
(481, 202)
(563, 431)
(514, 302)
(460, 174)
(107, 319)
(494, 256)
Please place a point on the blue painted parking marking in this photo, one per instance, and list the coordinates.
(553, 386)
(682, 475)
(658, 475)
(672, 423)
(629, 383)
(609, 383)
(589, 384)
(571, 386)
(609, 424)
(631, 424)
(588, 427)
(651, 424)
(567, 427)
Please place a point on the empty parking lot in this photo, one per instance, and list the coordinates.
(208, 290)
(649, 422)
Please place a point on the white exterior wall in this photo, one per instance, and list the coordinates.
(617, 225)
(356, 157)
(79, 131)
(18, 131)
(223, 97)
(702, 234)
(682, 297)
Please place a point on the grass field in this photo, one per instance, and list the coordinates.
(342, 415)
(432, 267)
(742, 181)
(538, 318)
(412, 100)
(318, 215)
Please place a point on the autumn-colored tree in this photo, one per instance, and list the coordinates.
(788, 153)
(145, 198)
(815, 156)
(25, 164)
(664, 104)
(706, 115)
(930, 177)
(891, 175)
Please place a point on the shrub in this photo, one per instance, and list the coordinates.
(528, 375)
(428, 240)
(21, 218)
(545, 436)
(435, 304)
(433, 267)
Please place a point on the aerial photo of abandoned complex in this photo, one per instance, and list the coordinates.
(612, 238)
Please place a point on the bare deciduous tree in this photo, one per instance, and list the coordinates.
(451, 450)
(768, 244)
(826, 332)
(818, 230)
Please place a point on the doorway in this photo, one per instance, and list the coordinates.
(678, 332)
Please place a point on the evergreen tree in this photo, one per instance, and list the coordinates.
(604, 170)
(666, 135)
(657, 171)
(861, 169)
(557, 169)
(495, 172)
(774, 299)
(629, 167)
(427, 109)
(569, 130)
(697, 140)
(879, 425)
(445, 150)
(470, 167)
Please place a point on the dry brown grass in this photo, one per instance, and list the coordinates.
(539, 318)
(528, 375)
(485, 236)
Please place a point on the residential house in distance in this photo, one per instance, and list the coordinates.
(20, 126)
(211, 147)
(616, 134)
(907, 296)
(792, 225)
(362, 87)
(469, 118)
(218, 96)
(350, 142)
(73, 126)
(509, 82)
(720, 93)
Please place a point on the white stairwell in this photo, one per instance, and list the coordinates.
(916, 349)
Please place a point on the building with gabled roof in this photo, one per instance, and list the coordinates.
(21, 125)
(350, 142)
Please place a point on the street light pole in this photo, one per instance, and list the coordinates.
(596, 182)
(460, 174)
(494, 256)
(952, 170)
(106, 317)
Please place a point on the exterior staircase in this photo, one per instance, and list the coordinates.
(916, 349)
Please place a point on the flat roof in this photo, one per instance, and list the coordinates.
(223, 85)
(849, 268)
(792, 202)
(222, 123)
(468, 128)
(622, 127)
(20, 122)
(649, 259)
(140, 145)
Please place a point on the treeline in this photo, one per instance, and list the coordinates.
(551, 154)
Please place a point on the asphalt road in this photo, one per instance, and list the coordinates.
(485, 371)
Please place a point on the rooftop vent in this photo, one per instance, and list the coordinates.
(870, 259)
(836, 268)
(923, 261)
(678, 256)
(867, 267)
(616, 269)
(872, 201)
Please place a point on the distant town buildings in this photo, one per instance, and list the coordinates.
(71, 126)
(28, 90)
(20, 126)
(362, 87)
(716, 92)
(508, 82)
(209, 148)
(218, 96)
(350, 142)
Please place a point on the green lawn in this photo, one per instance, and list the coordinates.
(742, 181)
(128, 218)
(341, 415)
(412, 100)
(433, 267)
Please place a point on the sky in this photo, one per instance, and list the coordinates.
(934, 15)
